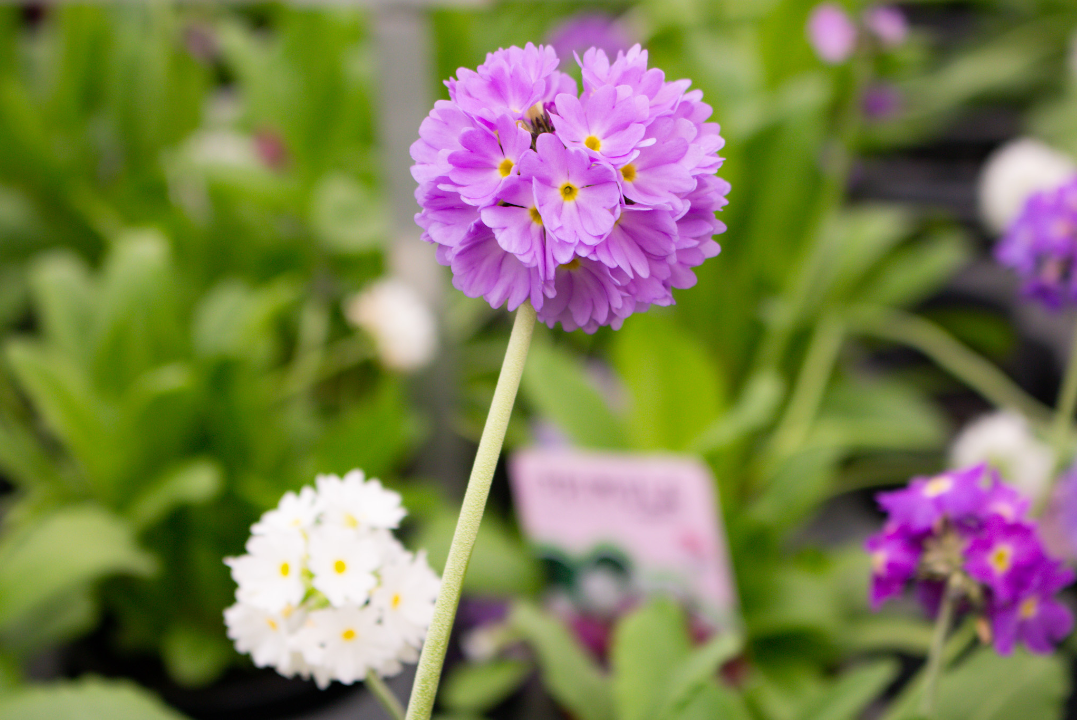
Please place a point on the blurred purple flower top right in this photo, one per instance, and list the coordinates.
(1041, 246)
(833, 34)
(577, 33)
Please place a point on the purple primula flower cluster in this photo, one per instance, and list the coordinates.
(968, 530)
(1041, 246)
(591, 207)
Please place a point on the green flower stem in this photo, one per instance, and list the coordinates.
(935, 653)
(428, 673)
(1067, 402)
(961, 362)
(385, 696)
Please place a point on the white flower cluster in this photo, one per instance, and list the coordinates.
(1006, 441)
(326, 590)
(401, 324)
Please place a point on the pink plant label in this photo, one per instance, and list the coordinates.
(659, 512)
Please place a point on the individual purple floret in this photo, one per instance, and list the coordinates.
(1041, 246)
(590, 207)
(968, 531)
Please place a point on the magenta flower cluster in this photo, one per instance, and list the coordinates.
(591, 207)
(1041, 246)
(969, 531)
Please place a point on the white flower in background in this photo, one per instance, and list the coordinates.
(343, 563)
(1013, 173)
(295, 512)
(326, 590)
(1005, 441)
(400, 322)
(270, 575)
(352, 503)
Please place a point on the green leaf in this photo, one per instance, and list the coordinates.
(756, 407)
(196, 481)
(852, 692)
(71, 547)
(25, 462)
(62, 395)
(347, 217)
(858, 415)
(648, 644)
(57, 621)
(477, 688)
(556, 384)
(90, 699)
(712, 702)
(864, 236)
(65, 299)
(193, 656)
(911, 274)
(572, 678)
(695, 673)
(989, 686)
(676, 388)
(234, 321)
(137, 324)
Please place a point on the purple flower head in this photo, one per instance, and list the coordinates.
(895, 555)
(831, 33)
(887, 23)
(579, 32)
(589, 207)
(1041, 246)
(954, 494)
(967, 530)
(1035, 617)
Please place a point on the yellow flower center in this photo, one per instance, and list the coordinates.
(271, 623)
(350, 520)
(937, 486)
(348, 635)
(878, 561)
(1000, 558)
(340, 566)
(535, 217)
(505, 167)
(285, 568)
(396, 601)
(592, 143)
(1028, 608)
(628, 172)
(569, 192)
(572, 264)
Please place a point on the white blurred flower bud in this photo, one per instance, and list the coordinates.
(402, 325)
(1005, 441)
(1013, 173)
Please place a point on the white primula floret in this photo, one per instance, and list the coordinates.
(406, 596)
(1013, 173)
(266, 636)
(402, 326)
(345, 643)
(353, 502)
(294, 512)
(343, 564)
(270, 575)
(1005, 441)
